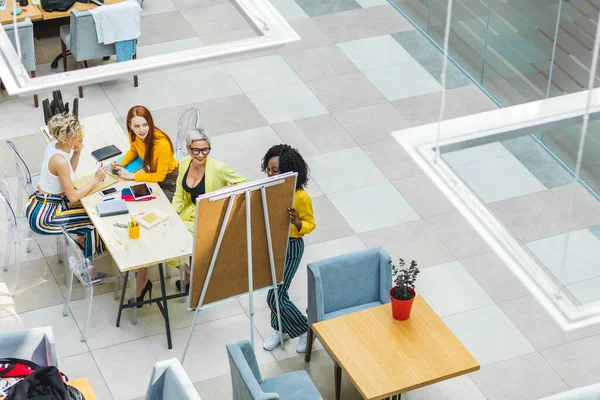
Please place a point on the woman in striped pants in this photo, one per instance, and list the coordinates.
(48, 208)
(280, 159)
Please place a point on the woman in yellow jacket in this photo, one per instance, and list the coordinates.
(199, 174)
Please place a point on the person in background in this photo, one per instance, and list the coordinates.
(281, 159)
(52, 204)
(199, 174)
(154, 147)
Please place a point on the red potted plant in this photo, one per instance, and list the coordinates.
(403, 294)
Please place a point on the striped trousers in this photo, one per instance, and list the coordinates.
(46, 213)
(293, 322)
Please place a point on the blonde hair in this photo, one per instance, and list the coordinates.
(64, 127)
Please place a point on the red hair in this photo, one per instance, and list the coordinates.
(141, 111)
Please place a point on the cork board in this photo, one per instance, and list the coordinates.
(230, 274)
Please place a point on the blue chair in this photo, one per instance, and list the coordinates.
(169, 381)
(35, 345)
(248, 384)
(27, 44)
(345, 284)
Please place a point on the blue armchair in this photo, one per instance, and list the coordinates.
(169, 381)
(248, 384)
(26, 41)
(35, 345)
(345, 284)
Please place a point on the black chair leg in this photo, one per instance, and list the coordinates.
(309, 343)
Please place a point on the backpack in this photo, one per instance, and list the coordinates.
(57, 5)
(43, 383)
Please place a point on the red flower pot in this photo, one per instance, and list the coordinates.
(401, 308)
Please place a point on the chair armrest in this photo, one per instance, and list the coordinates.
(316, 308)
(385, 276)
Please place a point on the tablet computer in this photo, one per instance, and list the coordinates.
(140, 191)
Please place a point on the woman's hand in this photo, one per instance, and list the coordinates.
(100, 174)
(77, 148)
(294, 218)
(123, 173)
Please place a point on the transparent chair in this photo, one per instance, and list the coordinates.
(189, 120)
(25, 180)
(82, 267)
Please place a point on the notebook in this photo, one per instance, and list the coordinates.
(112, 207)
(152, 218)
(109, 180)
(133, 166)
(106, 152)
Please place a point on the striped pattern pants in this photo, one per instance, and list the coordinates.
(293, 322)
(46, 213)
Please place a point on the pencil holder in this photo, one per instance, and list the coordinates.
(134, 232)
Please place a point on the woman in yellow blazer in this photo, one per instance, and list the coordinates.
(199, 174)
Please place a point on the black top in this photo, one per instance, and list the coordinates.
(195, 191)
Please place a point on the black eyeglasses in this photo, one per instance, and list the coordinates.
(195, 151)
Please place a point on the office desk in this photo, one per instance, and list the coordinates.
(384, 357)
(37, 13)
(166, 241)
(33, 12)
(84, 387)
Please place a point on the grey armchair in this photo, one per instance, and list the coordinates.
(81, 40)
(35, 345)
(248, 384)
(169, 381)
(345, 284)
(25, 32)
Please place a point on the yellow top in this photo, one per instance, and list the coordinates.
(304, 209)
(163, 160)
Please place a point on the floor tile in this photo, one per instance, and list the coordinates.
(455, 78)
(319, 63)
(423, 195)
(410, 241)
(188, 4)
(538, 326)
(475, 154)
(193, 85)
(586, 291)
(343, 170)
(373, 207)
(416, 44)
(334, 94)
(527, 377)
(164, 27)
(330, 224)
(29, 146)
(290, 10)
(151, 7)
(169, 47)
(371, 124)
(251, 145)
(310, 36)
(494, 277)
(287, 103)
(543, 214)
(371, 3)
(457, 234)
(582, 260)
(315, 8)
(262, 73)
(499, 178)
(84, 366)
(392, 160)
(489, 335)
(375, 52)
(577, 363)
(315, 135)
(459, 388)
(403, 81)
(449, 289)
(362, 23)
(66, 332)
(216, 19)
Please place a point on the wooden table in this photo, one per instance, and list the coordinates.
(384, 357)
(166, 241)
(84, 387)
(37, 13)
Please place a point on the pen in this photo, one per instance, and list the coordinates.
(110, 198)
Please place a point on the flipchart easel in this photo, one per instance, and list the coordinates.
(219, 237)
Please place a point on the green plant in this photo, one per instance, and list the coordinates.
(57, 106)
(404, 279)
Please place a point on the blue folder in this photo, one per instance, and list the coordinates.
(134, 165)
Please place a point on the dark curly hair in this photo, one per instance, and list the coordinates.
(290, 160)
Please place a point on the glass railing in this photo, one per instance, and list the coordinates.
(521, 51)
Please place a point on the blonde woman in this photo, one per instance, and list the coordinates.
(48, 208)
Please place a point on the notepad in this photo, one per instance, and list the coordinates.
(112, 207)
(152, 218)
(109, 180)
(133, 166)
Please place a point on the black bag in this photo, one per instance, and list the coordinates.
(45, 383)
(57, 5)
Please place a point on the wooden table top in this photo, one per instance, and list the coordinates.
(166, 241)
(37, 13)
(84, 386)
(384, 357)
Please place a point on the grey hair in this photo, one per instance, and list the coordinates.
(196, 134)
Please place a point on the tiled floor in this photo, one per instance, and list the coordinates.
(359, 72)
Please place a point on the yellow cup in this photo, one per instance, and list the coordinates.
(134, 232)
